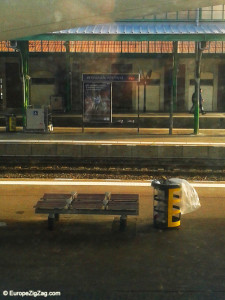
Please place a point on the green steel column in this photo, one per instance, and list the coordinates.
(144, 108)
(68, 77)
(174, 86)
(198, 54)
(138, 85)
(23, 48)
(175, 69)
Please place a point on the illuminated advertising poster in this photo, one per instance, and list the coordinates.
(97, 102)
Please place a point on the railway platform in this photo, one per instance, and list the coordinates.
(149, 144)
(215, 120)
(86, 257)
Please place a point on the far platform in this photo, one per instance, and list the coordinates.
(151, 146)
(213, 120)
(122, 141)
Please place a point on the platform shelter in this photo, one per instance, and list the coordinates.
(174, 54)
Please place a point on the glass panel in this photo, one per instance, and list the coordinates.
(180, 47)
(84, 46)
(52, 46)
(172, 16)
(4, 47)
(191, 47)
(105, 46)
(151, 17)
(161, 17)
(183, 15)
(151, 47)
(49, 46)
(58, 46)
(38, 46)
(91, 45)
(111, 46)
(32, 46)
(219, 47)
(78, 46)
(207, 48)
(207, 13)
(45, 46)
(144, 47)
(218, 12)
(72, 46)
(63, 47)
(118, 47)
(167, 47)
(132, 47)
(158, 47)
(138, 47)
(98, 46)
(125, 47)
(212, 47)
(192, 14)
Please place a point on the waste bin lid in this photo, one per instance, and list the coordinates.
(164, 184)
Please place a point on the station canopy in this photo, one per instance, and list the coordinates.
(139, 31)
(31, 17)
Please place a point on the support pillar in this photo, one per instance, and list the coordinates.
(144, 109)
(199, 48)
(68, 78)
(138, 85)
(173, 98)
(23, 47)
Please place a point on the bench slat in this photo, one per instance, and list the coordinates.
(56, 196)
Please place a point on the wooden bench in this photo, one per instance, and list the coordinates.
(96, 204)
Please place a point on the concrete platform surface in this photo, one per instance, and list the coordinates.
(105, 143)
(117, 134)
(184, 120)
(86, 257)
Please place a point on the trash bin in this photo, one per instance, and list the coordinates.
(166, 204)
(10, 121)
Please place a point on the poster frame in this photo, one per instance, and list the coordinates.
(109, 114)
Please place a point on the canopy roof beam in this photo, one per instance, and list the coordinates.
(127, 37)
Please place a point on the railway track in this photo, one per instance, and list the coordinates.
(97, 170)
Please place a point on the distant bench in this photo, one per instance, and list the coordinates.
(94, 204)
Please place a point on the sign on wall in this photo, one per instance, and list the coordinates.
(132, 77)
(97, 102)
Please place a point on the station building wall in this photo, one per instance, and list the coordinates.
(155, 89)
(48, 77)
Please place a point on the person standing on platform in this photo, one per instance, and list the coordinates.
(194, 100)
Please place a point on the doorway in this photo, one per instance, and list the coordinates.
(14, 91)
(121, 91)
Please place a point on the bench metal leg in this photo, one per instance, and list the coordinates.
(123, 222)
(57, 217)
(51, 221)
